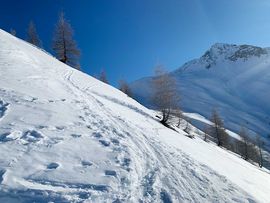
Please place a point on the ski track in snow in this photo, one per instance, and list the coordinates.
(157, 160)
(151, 181)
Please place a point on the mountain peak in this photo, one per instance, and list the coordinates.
(219, 45)
(231, 52)
(246, 51)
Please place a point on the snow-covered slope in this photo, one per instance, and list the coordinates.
(234, 79)
(66, 137)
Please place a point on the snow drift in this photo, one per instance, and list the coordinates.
(66, 137)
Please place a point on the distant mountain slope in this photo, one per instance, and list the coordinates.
(67, 137)
(234, 79)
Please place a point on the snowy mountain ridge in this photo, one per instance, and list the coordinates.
(229, 52)
(67, 137)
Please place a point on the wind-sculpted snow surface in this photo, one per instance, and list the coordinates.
(67, 137)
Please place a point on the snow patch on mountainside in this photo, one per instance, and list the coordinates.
(197, 117)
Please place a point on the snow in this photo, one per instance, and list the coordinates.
(67, 137)
(198, 117)
(234, 79)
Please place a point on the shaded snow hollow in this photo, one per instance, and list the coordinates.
(66, 137)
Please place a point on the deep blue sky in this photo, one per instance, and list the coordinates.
(128, 38)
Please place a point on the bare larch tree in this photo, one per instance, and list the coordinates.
(187, 129)
(217, 130)
(260, 145)
(180, 116)
(205, 132)
(103, 77)
(124, 87)
(64, 45)
(244, 145)
(32, 35)
(166, 97)
(13, 32)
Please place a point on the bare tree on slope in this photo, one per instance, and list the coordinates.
(244, 145)
(260, 145)
(13, 32)
(217, 129)
(103, 77)
(166, 98)
(32, 35)
(64, 45)
(124, 87)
